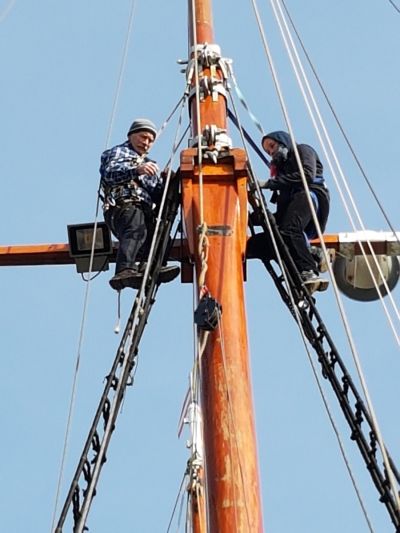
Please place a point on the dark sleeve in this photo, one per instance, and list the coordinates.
(308, 157)
(103, 162)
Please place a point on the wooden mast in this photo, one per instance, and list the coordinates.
(215, 197)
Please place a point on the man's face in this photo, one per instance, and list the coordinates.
(141, 141)
(270, 146)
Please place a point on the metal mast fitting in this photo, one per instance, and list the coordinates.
(215, 208)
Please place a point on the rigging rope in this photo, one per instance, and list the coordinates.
(6, 10)
(163, 200)
(356, 357)
(193, 403)
(395, 6)
(243, 100)
(178, 497)
(203, 242)
(197, 457)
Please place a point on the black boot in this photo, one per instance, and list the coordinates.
(168, 273)
(128, 277)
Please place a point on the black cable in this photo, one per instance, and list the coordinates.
(97, 273)
(394, 5)
(248, 138)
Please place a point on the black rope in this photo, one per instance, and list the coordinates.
(248, 138)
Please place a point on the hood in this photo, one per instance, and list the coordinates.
(282, 137)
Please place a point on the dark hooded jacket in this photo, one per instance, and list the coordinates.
(287, 177)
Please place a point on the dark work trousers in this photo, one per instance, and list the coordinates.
(291, 220)
(129, 225)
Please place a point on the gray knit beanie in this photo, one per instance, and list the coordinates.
(143, 124)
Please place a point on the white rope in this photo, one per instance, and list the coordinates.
(203, 240)
(6, 10)
(87, 290)
(199, 132)
(141, 293)
(121, 73)
(337, 434)
(192, 414)
(179, 496)
(320, 120)
(356, 357)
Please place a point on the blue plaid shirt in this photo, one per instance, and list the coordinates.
(119, 178)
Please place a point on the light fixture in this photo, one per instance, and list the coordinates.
(80, 238)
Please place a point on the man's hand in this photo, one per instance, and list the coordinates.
(149, 168)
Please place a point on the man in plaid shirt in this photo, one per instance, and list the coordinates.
(132, 188)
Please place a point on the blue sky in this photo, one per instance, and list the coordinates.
(59, 71)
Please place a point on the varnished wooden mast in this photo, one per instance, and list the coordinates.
(232, 480)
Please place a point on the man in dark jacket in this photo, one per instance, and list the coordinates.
(293, 213)
(132, 189)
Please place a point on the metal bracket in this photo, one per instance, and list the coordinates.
(393, 248)
(347, 249)
(215, 138)
(223, 231)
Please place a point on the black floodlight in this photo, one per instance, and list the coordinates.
(80, 238)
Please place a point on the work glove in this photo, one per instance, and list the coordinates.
(271, 184)
(164, 174)
(254, 218)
